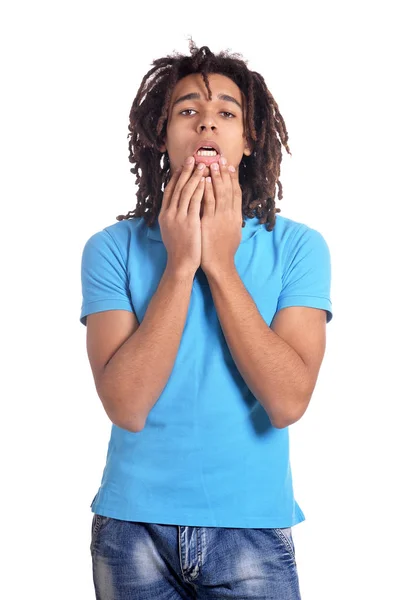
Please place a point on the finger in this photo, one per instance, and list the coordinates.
(209, 198)
(225, 177)
(223, 170)
(237, 192)
(185, 175)
(185, 194)
(169, 189)
(218, 187)
(194, 206)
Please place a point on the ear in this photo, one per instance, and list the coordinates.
(248, 148)
(162, 148)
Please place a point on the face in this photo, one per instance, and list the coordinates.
(194, 120)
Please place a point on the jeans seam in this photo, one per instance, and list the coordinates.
(98, 522)
(286, 542)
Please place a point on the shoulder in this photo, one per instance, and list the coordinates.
(294, 236)
(123, 231)
(118, 235)
(286, 228)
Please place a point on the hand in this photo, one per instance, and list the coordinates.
(179, 218)
(221, 222)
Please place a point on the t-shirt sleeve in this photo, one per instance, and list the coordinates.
(307, 273)
(104, 276)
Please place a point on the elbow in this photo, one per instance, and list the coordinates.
(278, 424)
(119, 408)
(134, 428)
(131, 426)
(134, 423)
(289, 416)
(131, 422)
(282, 423)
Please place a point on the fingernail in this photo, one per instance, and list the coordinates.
(223, 160)
(189, 160)
(231, 168)
(215, 166)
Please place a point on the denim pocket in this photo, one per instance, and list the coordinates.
(285, 535)
(97, 522)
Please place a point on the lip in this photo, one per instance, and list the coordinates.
(207, 160)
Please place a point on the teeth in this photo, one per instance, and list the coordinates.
(207, 153)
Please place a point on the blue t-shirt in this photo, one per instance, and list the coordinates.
(208, 455)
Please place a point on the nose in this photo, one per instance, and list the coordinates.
(212, 127)
(202, 127)
(206, 121)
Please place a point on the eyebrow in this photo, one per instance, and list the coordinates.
(196, 96)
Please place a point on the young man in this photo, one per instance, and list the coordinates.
(206, 328)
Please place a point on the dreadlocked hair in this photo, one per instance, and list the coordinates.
(258, 173)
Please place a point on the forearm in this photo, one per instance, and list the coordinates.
(272, 370)
(139, 371)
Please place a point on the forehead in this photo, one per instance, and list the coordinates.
(219, 84)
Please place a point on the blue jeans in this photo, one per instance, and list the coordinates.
(146, 561)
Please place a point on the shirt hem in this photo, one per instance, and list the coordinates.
(188, 520)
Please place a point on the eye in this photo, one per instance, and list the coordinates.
(228, 113)
(223, 112)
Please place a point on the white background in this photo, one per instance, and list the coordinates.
(70, 71)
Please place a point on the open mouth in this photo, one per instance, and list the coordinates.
(207, 155)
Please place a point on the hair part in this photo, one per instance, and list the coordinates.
(264, 127)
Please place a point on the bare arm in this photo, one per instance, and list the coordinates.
(280, 363)
(131, 364)
(130, 381)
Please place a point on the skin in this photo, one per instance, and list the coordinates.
(193, 120)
